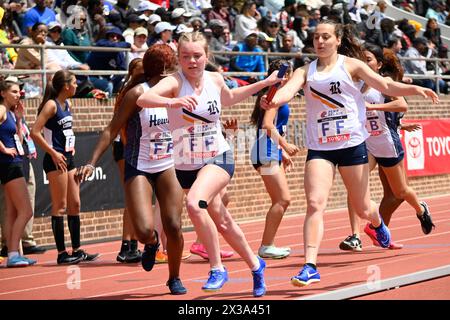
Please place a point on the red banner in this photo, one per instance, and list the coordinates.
(427, 151)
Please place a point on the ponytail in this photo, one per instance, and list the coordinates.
(391, 65)
(50, 94)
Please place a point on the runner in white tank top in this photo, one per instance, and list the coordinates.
(196, 95)
(335, 109)
(336, 125)
(148, 166)
(384, 145)
(197, 135)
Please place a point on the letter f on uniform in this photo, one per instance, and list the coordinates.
(325, 128)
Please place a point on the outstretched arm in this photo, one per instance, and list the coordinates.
(230, 97)
(397, 105)
(360, 70)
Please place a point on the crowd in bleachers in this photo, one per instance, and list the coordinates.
(230, 25)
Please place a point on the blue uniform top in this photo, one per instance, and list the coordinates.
(7, 132)
(58, 131)
(265, 148)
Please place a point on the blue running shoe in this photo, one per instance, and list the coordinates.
(305, 277)
(383, 235)
(176, 287)
(259, 286)
(215, 281)
(30, 261)
(149, 254)
(17, 261)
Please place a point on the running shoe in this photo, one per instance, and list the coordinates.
(383, 235)
(259, 286)
(306, 276)
(186, 255)
(30, 261)
(161, 257)
(216, 280)
(65, 258)
(84, 255)
(17, 261)
(200, 250)
(395, 246)
(129, 256)
(149, 254)
(425, 219)
(351, 243)
(176, 287)
(373, 236)
(272, 252)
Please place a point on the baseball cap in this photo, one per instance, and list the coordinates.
(141, 30)
(178, 12)
(368, 2)
(114, 30)
(54, 24)
(217, 23)
(133, 18)
(163, 26)
(147, 6)
(264, 36)
(250, 32)
(182, 29)
(154, 18)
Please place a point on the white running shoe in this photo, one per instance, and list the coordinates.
(272, 252)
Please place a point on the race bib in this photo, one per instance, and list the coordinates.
(19, 146)
(373, 123)
(161, 145)
(70, 140)
(331, 126)
(201, 141)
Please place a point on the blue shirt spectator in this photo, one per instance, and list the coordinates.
(251, 63)
(39, 13)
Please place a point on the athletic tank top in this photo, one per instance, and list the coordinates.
(265, 148)
(9, 137)
(382, 126)
(149, 144)
(197, 135)
(58, 131)
(335, 109)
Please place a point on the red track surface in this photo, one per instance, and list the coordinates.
(108, 279)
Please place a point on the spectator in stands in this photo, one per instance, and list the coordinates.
(163, 35)
(98, 60)
(39, 13)
(60, 57)
(197, 24)
(217, 42)
(96, 21)
(189, 7)
(433, 32)
(315, 16)
(76, 34)
(182, 28)
(134, 22)
(248, 63)
(286, 16)
(273, 31)
(436, 11)
(288, 46)
(264, 41)
(147, 8)
(247, 20)
(8, 56)
(420, 50)
(122, 10)
(30, 58)
(139, 44)
(153, 20)
(220, 12)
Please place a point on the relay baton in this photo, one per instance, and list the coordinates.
(273, 89)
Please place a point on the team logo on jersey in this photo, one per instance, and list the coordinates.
(212, 107)
(326, 100)
(334, 87)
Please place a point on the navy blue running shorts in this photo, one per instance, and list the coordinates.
(342, 157)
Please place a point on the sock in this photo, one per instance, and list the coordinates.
(13, 254)
(221, 269)
(74, 228)
(312, 265)
(125, 246)
(379, 227)
(257, 267)
(133, 245)
(58, 232)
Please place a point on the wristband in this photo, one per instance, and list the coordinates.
(169, 104)
(90, 166)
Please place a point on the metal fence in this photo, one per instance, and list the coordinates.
(44, 72)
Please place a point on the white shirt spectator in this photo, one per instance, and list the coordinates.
(61, 57)
(243, 25)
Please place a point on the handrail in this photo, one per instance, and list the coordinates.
(44, 71)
